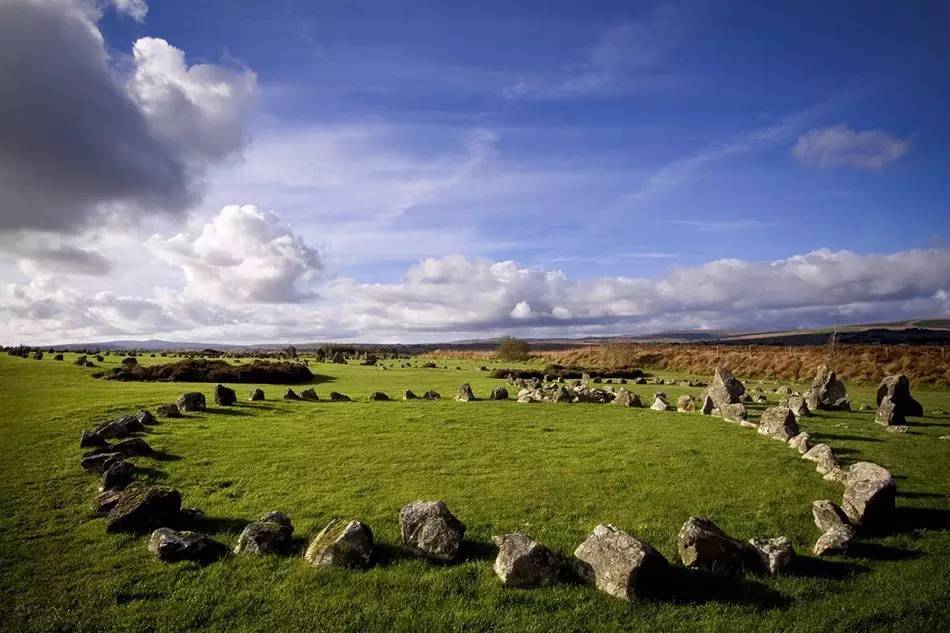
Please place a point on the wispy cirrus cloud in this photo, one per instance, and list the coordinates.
(841, 146)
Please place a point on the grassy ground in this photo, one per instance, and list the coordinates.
(553, 471)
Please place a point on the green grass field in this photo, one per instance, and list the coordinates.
(553, 471)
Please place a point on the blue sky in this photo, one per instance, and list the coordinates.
(595, 140)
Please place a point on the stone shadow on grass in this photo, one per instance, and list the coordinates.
(878, 552)
(813, 567)
(910, 519)
(820, 436)
(215, 524)
(694, 586)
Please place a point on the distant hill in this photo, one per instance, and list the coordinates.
(934, 331)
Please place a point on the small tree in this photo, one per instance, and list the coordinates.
(512, 348)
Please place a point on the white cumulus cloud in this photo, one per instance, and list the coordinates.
(242, 255)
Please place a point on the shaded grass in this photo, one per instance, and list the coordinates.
(553, 471)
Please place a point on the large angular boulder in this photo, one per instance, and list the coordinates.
(144, 507)
(523, 562)
(823, 457)
(775, 554)
(725, 388)
(778, 423)
(409, 395)
(797, 404)
(429, 529)
(191, 401)
(659, 402)
(735, 412)
(464, 393)
(171, 546)
(801, 442)
(270, 534)
(117, 476)
(624, 397)
(828, 392)
(686, 404)
(431, 395)
(90, 439)
(835, 540)
(498, 393)
(100, 462)
(105, 501)
(121, 427)
(827, 515)
(169, 410)
(378, 396)
(895, 402)
(224, 396)
(310, 394)
(619, 564)
(346, 544)
(869, 494)
(291, 395)
(132, 446)
(703, 545)
(257, 395)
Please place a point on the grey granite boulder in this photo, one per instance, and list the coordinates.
(171, 546)
(725, 388)
(464, 393)
(429, 529)
(619, 564)
(703, 545)
(775, 554)
(523, 562)
(169, 410)
(801, 442)
(346, 544)
(498, 393)
(270, 534)
(828, 392)
(869, 494)
(895, 391)
(624, 398)
(778, 423)
(827, 515)
(191, 401)
(823, 456)
(835, 540)
(144, 507)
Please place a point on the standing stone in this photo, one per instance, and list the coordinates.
(431, 395)
(310, 394)
(429, 529)
(342, 544)
(378, 396)
(89, 438)
(224, 396)
(523, 562)
(775, 554)
(409, 395)
(191, 401)
(686, 404)
(291, 395)
(619, 564)
(464, 393)
(659, 402)
(498, 393)
(869, 495)
(142, 507)
(709, 404)
(257, 395)
(825, 459)
(827, 515)
(801, 442)
(798, 406)
(703, 545)
(828, 392)
(169, 410)
(624, 398)
(336, 396)
(897, 388)
(725, 388)
(778, 423)
(888, 414)
(270, 534)
(171, 546)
